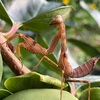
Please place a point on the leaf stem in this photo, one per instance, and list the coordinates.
(13, 30)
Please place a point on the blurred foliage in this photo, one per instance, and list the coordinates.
(83, 30)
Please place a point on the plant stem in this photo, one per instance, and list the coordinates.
(10, 59)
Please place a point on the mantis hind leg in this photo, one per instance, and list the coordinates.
(82, 81)
(45, 57)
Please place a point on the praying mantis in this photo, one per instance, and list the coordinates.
(63, 63)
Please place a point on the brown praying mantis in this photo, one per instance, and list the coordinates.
(65, 66)
(67, 71)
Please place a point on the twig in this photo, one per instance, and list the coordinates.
(10, 59)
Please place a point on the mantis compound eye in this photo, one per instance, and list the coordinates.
(57, 20)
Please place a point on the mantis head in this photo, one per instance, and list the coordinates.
(57, 20)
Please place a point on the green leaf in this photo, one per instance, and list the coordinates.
(4, 93)
(1, 67)
(41, 22)
(41, 94)
(4, 15)
(84, 87)
(32, 80)
(94, 94)
(88, 49)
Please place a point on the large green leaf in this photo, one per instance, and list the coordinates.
(94, 94)
(41, 94)
(41, 22)
(4, 93)
(88, 49)
(1, 67)
(4, 15)
(84, 87)
(32, 80)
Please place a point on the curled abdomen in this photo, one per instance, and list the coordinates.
(84, 69)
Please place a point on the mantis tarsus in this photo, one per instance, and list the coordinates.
(63, 63)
